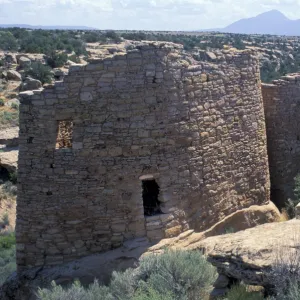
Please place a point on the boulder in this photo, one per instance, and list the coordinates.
(249, 255)
(70, 63)
(9, 161)
(31, 84)
(8, 134)
(211, 56)
(24, 62)
(13, 75)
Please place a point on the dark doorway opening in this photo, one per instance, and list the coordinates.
(150, 198)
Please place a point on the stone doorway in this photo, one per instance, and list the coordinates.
(150, 197)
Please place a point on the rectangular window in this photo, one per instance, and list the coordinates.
(64, 134)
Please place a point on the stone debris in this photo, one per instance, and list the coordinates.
(9, 160)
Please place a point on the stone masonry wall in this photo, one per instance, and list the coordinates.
(197, 128)
(282, 110)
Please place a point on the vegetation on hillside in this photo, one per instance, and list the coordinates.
(56, 44)
(39, 71)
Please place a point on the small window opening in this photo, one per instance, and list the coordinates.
(150, 198)
(30, 140)
(64, 135)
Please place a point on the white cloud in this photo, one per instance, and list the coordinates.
(140, 14)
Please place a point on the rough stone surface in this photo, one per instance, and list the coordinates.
(13, 75)
(9, 160)
(222, 282)
(218, 293)
(30, 84)
(197, 128)
(249, 255)
(211, 55)
(238, 221)
(23, 61)
(9, 137)
(282, 110)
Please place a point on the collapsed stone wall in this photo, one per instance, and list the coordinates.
(197, 128)
(282, 110)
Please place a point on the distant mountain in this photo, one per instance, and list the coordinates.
(271, 22)
(54, 27)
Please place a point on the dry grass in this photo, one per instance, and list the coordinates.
(284, 217)
(7, 207)
(286, 269)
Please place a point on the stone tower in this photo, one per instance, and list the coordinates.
(145, 144)
(282, 109)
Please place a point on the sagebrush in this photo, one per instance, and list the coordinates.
(174, 275)
(7, 256)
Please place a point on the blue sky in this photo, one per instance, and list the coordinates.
(140, 14)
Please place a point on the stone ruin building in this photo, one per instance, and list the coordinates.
(282, 110)
(149, 143)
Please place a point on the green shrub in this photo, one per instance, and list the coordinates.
(7, 241)
(184, 274)
(285, 273)
(7, 263)
(56, 60)
(7, 256)
(176, 275)
(239, 292)
(5, 220)
(8, 190)
(40, 72)
(8, 41)
(74, 58)
(15, 106)
(2, 102)
(13, 177)
(76, 292)
(292, 203)
(8, 118)
(148, 293)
